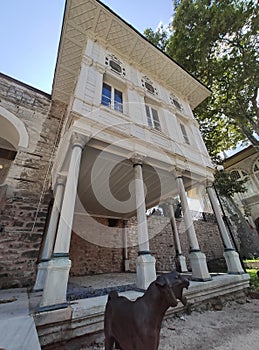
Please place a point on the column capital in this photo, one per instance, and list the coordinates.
(78, 140)
(137, 159)
(209, 183)
(178, 172)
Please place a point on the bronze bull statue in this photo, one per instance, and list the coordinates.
(135, 325)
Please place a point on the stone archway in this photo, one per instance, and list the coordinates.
(13, 136)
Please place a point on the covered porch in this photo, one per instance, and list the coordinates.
(93, 178)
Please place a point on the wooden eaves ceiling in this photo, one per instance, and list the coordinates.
(85, 18)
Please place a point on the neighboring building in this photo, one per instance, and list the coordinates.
(116, 137)
(245, 165)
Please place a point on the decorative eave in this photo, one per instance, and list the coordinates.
(91, 18)
(239, 156)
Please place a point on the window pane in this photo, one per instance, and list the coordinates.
(106, 95)
(156, 119)
(149, 120)
(118, 106)
(185, 136)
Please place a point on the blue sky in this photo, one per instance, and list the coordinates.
(30, 31)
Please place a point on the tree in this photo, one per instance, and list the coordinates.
(217, 41)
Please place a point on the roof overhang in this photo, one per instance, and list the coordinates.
(85, 19)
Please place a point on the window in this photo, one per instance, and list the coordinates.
(184, 133)
(256, 169)
(112, 98)
(152, 118)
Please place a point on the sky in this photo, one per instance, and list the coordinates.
(30, 32)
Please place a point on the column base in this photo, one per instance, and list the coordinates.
(233, 262)
(199, 266)
(146, 271)
(182, 262)
(55, 288)
(41, 276)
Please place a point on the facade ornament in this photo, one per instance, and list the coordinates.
(115, 65)
(148, 85)
(175, 102)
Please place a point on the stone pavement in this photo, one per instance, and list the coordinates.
(17, 328)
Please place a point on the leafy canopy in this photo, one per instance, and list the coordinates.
(217, 41)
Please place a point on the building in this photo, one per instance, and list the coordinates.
(245, 165)
(116, 137)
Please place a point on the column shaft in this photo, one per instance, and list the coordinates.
(50, 237)
(194, 245)
(141, 209)
(221, 224)
(53, 222)
(180, 258)
(67, 212)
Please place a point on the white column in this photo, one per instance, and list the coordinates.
(146, 272)
(50, 236)
(54, 293)
(179, 256)
(197, 258)
(231, 256)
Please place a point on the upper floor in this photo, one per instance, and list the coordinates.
(110, 76)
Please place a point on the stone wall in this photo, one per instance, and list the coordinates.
(88, 258)
(25, 195)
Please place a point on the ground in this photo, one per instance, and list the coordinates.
(235, 327)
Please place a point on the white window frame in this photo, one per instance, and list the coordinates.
(185, 134)
(152, 115)
(113, 104)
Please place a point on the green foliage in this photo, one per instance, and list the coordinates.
(158, 38)
(254, 280)
(217, 41)
(227, 186)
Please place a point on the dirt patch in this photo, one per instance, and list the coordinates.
(235, 327)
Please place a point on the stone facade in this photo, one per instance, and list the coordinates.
(25, 194)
